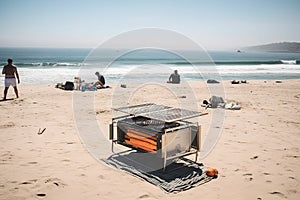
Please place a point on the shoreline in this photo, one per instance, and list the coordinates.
(114, 84)
(257, 153)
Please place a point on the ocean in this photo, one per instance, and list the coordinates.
(57, 65)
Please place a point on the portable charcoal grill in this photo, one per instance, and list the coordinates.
(161, 130)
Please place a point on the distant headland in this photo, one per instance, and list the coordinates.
(289, 47)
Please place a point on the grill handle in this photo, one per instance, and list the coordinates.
(199, 138)
(111, 131)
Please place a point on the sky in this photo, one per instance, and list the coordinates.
(213, 24)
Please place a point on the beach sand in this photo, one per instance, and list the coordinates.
(257, 154)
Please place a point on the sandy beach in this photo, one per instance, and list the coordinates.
(257, 154)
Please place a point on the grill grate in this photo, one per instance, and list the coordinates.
(171, 115)
(142, 108)
(159, 112)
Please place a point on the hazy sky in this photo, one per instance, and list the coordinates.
(222, 24)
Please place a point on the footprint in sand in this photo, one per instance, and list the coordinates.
(6, 157)
(278, 193)
(254, 157)
(32, 181)
(55, 181)
(7, 125)
(247, 176)
(13, 181)
(32, 163)
(101, 111)
(143, 196)
(40, 194)
(26, 183)
(101, 176)
(292, 156)
(70, 142)
(297, 96)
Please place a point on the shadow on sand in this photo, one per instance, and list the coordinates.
(9, 99)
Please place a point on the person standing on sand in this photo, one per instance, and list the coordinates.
(11, 73)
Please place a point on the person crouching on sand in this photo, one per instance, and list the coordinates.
(101, 80)
(11, 73)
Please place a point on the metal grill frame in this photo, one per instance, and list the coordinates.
(164, 114)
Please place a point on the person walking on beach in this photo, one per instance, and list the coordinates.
(101, 80)
(174, 78)
(11, 73)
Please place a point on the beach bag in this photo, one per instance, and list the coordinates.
(69, 85)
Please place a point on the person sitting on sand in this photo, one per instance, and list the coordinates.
(11, 73)
(174, 78)
(101, 80)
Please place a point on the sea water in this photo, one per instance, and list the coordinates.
(51, 65)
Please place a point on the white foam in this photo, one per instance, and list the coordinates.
(32, 75)
(293, 62)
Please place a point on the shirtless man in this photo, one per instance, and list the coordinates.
(11, 73)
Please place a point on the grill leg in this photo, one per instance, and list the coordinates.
(165, 163)
(112, 146)
(196, 157)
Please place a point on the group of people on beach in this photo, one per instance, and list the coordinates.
(12, 76)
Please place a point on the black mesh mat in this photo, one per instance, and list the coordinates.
(180, 175)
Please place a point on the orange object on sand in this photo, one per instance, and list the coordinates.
(212, 172)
